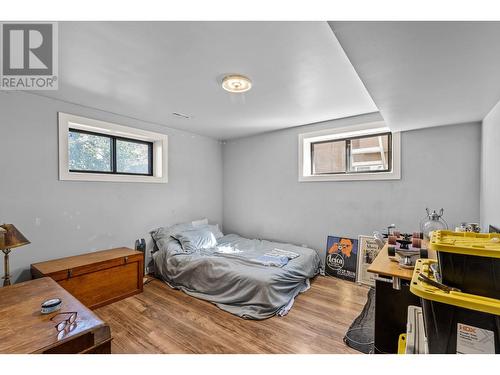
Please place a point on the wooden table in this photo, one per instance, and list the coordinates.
(392, 298)
(384, 266)
(23, 329)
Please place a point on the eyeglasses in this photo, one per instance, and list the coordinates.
(67, 322)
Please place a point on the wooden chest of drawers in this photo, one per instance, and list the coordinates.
(99, 278)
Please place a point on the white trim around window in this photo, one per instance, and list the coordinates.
(304, 153)
(159, 141)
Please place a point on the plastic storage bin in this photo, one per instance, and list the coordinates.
(456, 322)
(469, 261)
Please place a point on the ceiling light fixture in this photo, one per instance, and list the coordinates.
(236, 83)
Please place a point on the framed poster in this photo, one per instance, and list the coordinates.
(368, 250)
(341, 257)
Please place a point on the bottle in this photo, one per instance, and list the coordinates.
(433, 221)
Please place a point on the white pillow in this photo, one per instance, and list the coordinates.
(203, 223)
(197, 223)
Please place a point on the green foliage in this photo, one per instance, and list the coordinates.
(90, 152)
(131, 157)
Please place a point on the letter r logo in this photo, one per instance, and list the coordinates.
(27, 49)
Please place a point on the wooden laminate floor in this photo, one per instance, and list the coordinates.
(163, 320)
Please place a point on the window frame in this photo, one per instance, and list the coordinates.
(157, 152)
(114, 157)
(348, 154)
(306, 157)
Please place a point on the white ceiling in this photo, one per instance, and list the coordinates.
(426, 73)
(148, 70)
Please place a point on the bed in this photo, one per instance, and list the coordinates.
(247, 277)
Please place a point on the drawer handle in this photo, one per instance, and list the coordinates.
(126, 259)
(70, 273)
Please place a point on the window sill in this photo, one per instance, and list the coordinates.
(102, 177)
(395, 175)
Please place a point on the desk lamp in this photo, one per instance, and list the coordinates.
(10, 238)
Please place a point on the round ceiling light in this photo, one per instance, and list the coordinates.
(236, 83)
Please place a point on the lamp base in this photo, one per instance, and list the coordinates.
(6, 278)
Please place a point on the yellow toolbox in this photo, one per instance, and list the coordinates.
(454, 321)
(469, 261)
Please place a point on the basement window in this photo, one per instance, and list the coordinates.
(92, 150)
(364, 152)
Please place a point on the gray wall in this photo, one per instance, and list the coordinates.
(490, 169)
(263, 197)
(77, 217)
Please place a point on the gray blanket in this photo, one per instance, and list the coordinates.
(229, 276)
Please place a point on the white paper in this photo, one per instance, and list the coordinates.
(474, 340)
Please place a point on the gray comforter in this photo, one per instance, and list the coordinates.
(235, 281)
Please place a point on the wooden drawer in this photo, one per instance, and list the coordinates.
(97, 279)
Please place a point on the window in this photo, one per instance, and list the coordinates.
(101, 153)
(89, 152)
(364, 152)
(94, 150)
(328, 157)
(352, 155)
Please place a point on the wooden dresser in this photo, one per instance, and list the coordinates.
(98, 278)
(25, 330)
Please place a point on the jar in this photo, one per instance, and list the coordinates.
(433, 221)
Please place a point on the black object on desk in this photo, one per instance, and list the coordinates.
(391, 313)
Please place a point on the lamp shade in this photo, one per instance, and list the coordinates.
(10, 237)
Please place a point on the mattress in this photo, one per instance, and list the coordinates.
(230, 277)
